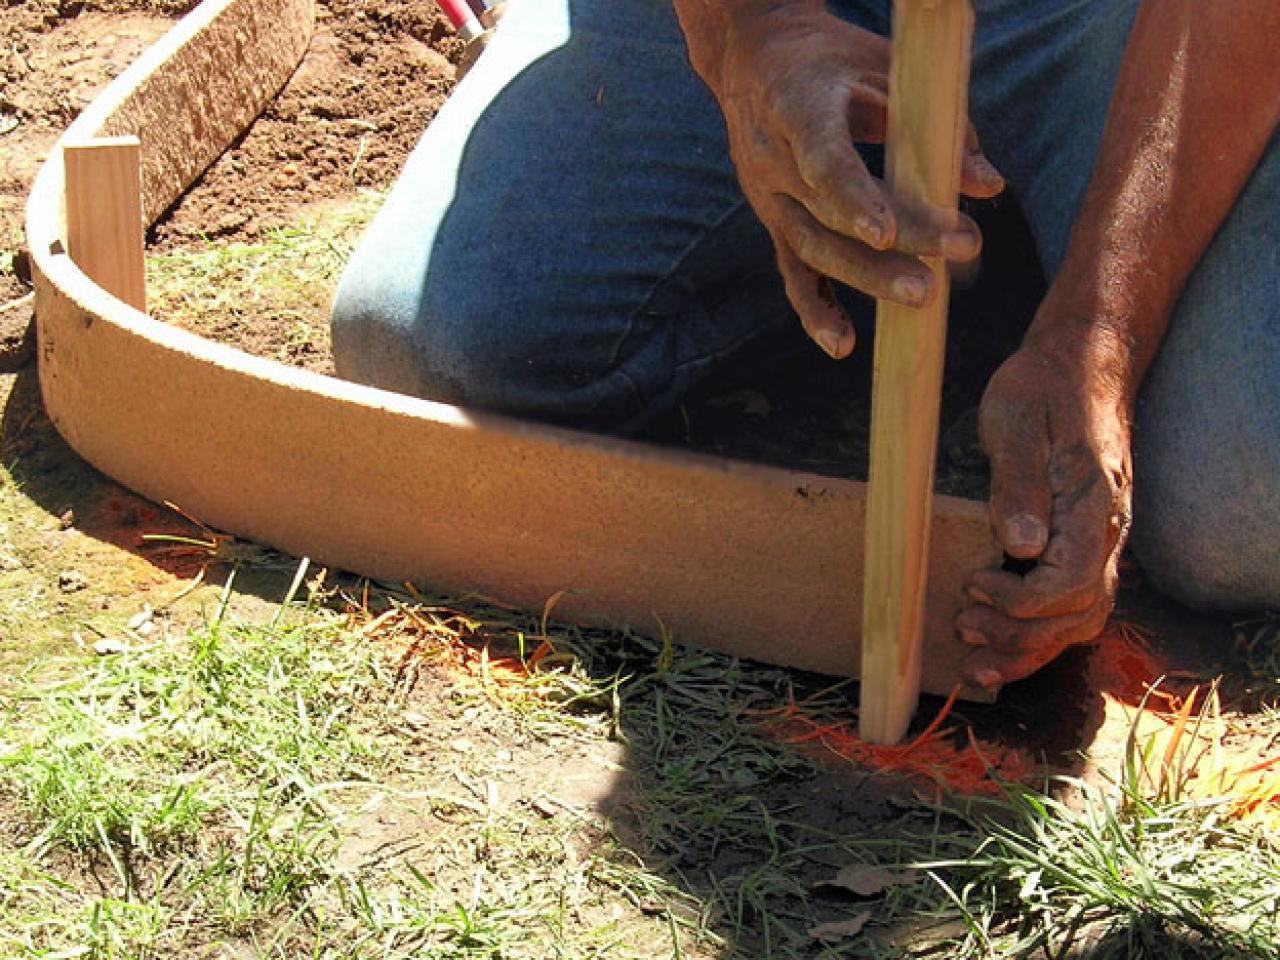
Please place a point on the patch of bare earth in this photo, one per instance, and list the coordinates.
(375, 75)
(54, 58)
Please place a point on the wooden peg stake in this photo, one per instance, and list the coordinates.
(104, 215)
(928, 94)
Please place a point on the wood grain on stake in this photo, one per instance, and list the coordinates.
(928, 87)
(104, 215)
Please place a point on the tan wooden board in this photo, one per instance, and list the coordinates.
(753, 560)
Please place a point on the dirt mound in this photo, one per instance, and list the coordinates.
(376, 74)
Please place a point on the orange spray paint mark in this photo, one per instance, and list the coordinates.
(974, 769)
(1123, 665)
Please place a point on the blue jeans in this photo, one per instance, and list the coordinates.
(569, 242)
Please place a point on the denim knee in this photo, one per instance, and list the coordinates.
(490, 342)
(1205, 525)
(371, 327)
(1207, 452)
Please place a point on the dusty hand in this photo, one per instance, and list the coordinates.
(799, 87)
(1055, 425)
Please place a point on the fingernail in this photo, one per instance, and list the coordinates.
(910, 290)
(829, 341)
(986, 170)
(986, 677)
(960, 245)
(872, 231)
(981, 596)
(973, 638)
(1027, 531)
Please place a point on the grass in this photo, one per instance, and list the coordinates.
(207, 765)
(270, 297)
(343, 783)
(214, 790)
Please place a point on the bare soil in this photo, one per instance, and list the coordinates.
(375, 75)
(53, 60)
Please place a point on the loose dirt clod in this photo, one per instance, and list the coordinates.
(72, 581)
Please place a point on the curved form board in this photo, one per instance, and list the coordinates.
(756, 561)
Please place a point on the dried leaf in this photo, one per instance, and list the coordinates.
(840, 929)
(867, 880)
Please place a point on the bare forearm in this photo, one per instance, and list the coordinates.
(1196, 103)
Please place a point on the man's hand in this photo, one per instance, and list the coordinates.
(799, 88)
(1055, 422)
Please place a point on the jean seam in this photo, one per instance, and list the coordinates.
(680, 261)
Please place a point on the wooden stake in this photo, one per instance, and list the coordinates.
(928, 94)
(104, 215)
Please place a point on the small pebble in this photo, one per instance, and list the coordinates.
(139, 619)
(71, 581)
(108, 646)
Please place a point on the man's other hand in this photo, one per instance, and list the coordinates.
(1055, 424)
(799, 88)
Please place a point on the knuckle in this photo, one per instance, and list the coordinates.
(819, 168)
(802, 238)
